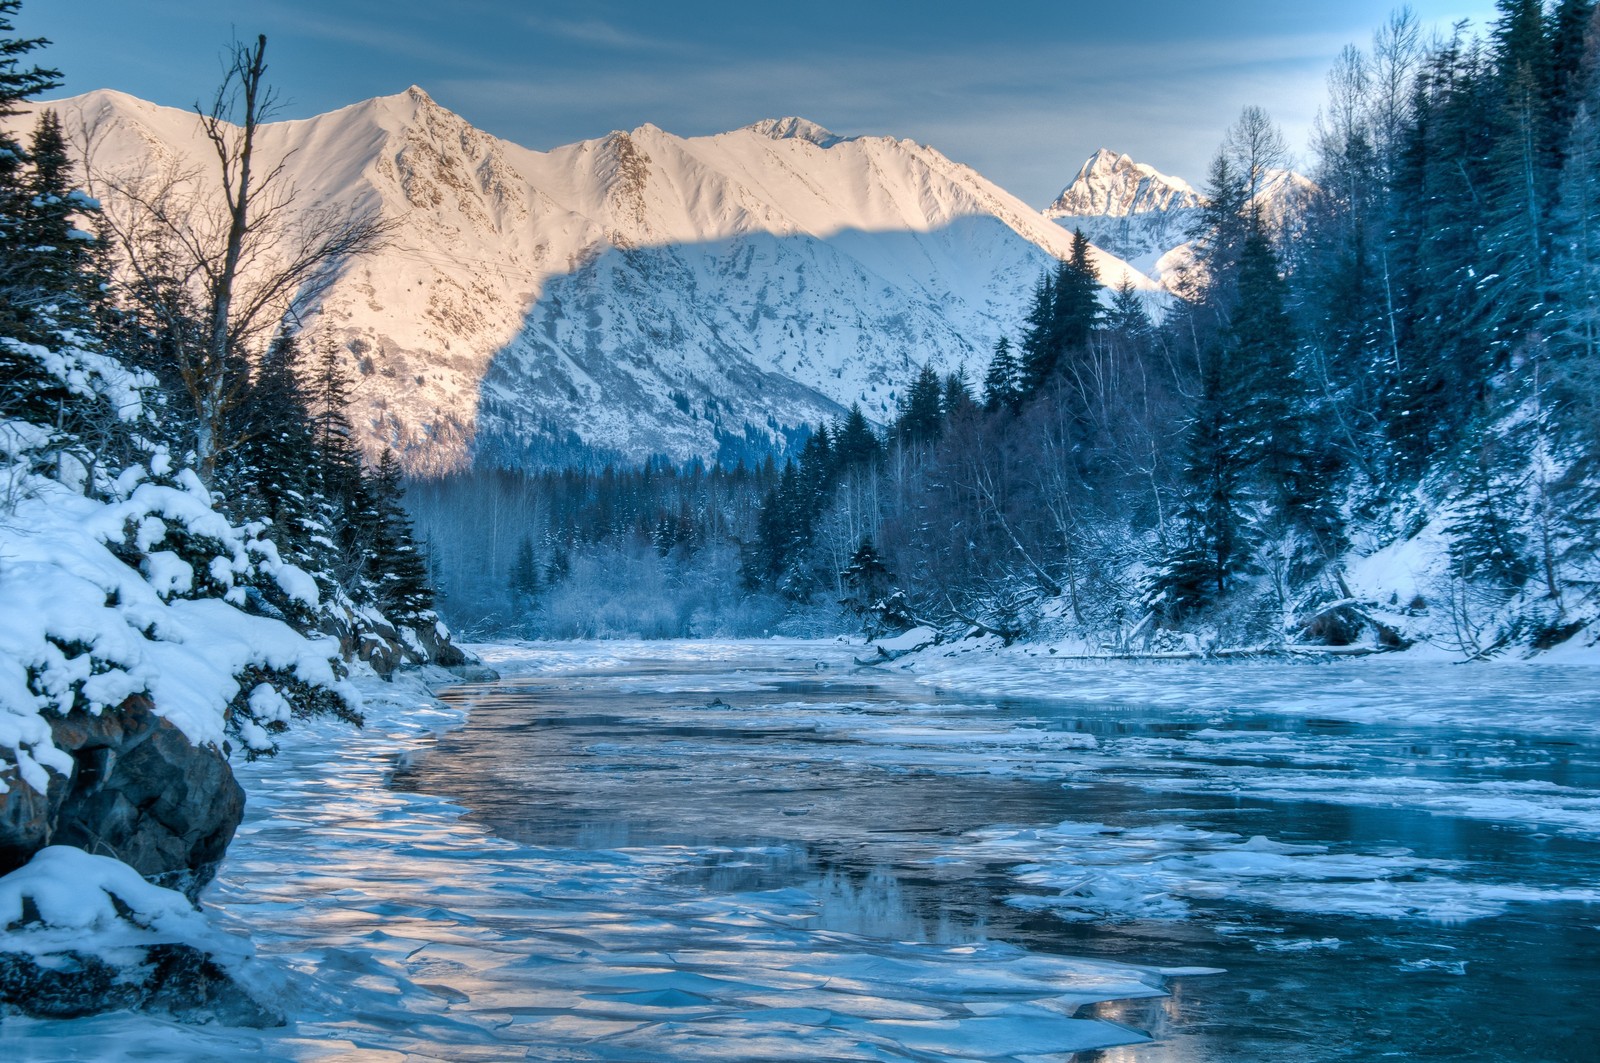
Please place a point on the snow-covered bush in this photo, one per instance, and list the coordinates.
(119, 578)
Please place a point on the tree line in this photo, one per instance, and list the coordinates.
(1405, 341)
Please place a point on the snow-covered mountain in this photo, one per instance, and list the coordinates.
(642, 293)
(1114, 185)
(1131, 210)
(1147, 218)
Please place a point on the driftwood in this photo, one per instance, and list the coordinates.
(1389, 637)
(1006, 635)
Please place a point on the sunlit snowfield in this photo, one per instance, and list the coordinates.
(760, 851)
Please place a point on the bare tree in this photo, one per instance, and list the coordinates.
(220, 274)
(1255, 147)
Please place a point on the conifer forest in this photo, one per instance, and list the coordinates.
(1407, 349)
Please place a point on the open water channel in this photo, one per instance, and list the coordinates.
(888, 869)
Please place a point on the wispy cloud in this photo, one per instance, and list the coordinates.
(599, 33)
(1026, 117)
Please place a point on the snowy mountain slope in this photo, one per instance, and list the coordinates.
(1146, 218)
(641, 293)
(1130, 209)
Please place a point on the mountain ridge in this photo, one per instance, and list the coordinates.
(640, 292)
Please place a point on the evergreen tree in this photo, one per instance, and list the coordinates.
(55, 249)
(398, 571)
(1215, 529)
(1485, 544)
(1127, 316)
(1066, 311)
(1077, 297)
(1268, 398)
(921, 417)
(524, 581)
(957, 399)
(337, 472)
(1039, 353)
(1002, 384)
(26, 388)
(867, 581)
(273, 474)
(855, 444)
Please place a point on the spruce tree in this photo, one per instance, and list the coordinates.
(1002, 384)
(277, 472)
(396, 567)
(55, 247)
(1486, 546)
(921, 417)
(1216, 531)
(867, 581)
(27, 389)
(855, 444)
(524, 581)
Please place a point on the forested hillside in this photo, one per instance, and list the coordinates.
(191, 550)
(1367, 422)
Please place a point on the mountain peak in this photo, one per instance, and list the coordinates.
(1113, 184)
(793, 128)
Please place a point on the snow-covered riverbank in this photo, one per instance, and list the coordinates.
(1555, 693)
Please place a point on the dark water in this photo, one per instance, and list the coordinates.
(1460, 930)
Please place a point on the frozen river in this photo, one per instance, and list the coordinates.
(755, 851)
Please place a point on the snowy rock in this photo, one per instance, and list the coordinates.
(138, 790)
(1115, 185)
(82, 934)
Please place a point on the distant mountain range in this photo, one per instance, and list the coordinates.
(644, 293)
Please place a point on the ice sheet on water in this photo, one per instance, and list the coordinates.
(1558, 698)
(1092, 871)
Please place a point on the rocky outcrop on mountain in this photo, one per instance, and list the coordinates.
(1113, 185)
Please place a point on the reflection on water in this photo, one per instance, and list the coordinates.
(1370, 891)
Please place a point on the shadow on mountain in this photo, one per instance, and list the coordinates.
(727, 349)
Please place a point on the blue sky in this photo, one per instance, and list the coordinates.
(1023, 92)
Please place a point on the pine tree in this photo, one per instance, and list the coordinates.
(1486, 545)
(273, 474)
(855, 444)
(524, 582)
(1269, 399)
(337, 471)
(921, 417)
(1065, 313)
(1215, 528)
(868, 581)
(1002, 384)
(1039, 354)
(1077, 297)
(1127, 315)
(957, 400)
(56, 249)
(398, 571)
(27, 389)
